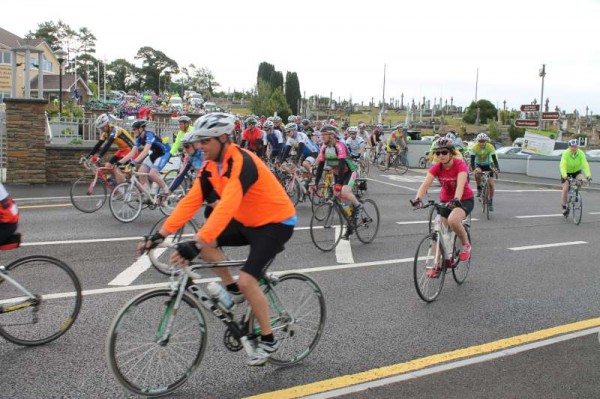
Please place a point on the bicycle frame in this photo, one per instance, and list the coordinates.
(29, 298)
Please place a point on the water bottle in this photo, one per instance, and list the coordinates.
(347, 208)
(218, 292)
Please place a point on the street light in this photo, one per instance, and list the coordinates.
(60, 56)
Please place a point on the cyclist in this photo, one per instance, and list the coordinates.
(452, 174)
(252, 136)
(153, 157)
(184, 127)
(307, 128)
(572, 163)
(482, 155)
(274, 139)
(376, 138)
(355, 144)
(457, 140)
(193, 160)
(253, 210)
(111, 134)
(333, 153)
(362, 132)
(9, 215)
(395, 142)
(306, 149)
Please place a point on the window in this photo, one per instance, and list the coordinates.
(5, 57)
(4, 95)
(47, 66)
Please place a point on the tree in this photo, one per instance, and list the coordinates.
(487, 111)
(276, 80)
(85, 52)
(56, 35)
(123, 76)
(292, 91)
(264, 72)
(154, 63)
(206, 81)
(267, 101)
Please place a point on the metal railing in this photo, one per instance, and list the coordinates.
(76, 130)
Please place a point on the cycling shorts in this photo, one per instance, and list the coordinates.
(118, 155)
(573, 175)
(467, 206)
(157, 162)
(265, 242)
(486, 168)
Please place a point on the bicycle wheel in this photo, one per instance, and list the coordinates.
(400, 165)
(297, 313)
(170, 202)
(460, 269)
(577, 208)
(143, 360)
(381, 162)
(367, 224)
(292, 188)
(326, 226)
(88, 194)
(431, 218)
(429, 259)
(319, 197)
(126, 202)
(365, 168)
(372, 156)
(58, 291)
(161, 261)
(483, 198)
(423, 162)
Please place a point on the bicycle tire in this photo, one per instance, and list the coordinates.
(86, 200)
(365, 168)
(126, 202)
(400, 165)
(460, 270)
(60, 304)
(429, 288)
(326, 225)
(292, 188)
(423, 162)
(431, 218)
(161, 261)
(483, 198)
(133, 338)
(577, 208)
(319, 197)
(297, 313)
(367, 223)
(381, 162)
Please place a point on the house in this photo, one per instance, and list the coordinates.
(15, 54)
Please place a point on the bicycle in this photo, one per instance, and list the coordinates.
(574, 201)
(40, 298)
(485, 198)
(434, 257)
(398, 161)
(425, 161)
(158, 339)
(89, 192)
(127, 199)
(161, 260)
(331, 216)
(323, 191)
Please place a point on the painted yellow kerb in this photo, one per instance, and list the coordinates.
(418, 364)
(43, 206)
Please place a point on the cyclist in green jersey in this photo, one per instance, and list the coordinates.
(572, 163)
(482, 155)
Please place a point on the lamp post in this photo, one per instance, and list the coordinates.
(542, 75)
(60, 56)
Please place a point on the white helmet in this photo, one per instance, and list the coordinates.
(102, 121)
(482, 137)
(214, 124)
(189, 138)
(291, 126)
(292, 118)
(268, 125)
(352, 129)
(450, 136)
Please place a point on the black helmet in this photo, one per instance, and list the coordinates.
(139, 123)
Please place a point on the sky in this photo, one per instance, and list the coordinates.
(438, 49)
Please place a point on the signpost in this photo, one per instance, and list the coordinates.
(550, 116)
(527, 123)
(530, 108)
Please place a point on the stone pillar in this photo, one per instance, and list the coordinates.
(26, 140)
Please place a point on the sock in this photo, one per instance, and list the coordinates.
(233, 287)
(267, 338)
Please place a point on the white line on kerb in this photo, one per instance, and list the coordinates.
(557, 244)
(424, 221)
(538, 216)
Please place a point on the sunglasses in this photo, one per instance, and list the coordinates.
(187, 146)
(205, 140)
(438, 153)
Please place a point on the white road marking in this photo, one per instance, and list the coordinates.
(392, 184)
(557, 244)
(343, 250)
(424, 221)
(594, 213)
(538, 216)
(129, 275)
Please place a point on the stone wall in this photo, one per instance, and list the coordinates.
(26, 140)
(63, 162)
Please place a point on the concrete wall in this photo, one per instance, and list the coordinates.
(510, 163)
(417, 149)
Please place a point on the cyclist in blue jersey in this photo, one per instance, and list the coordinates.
(193, 160)
(306, 149)
(153, 157)
(274, 139)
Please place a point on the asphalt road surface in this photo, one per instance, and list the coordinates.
(506, 332)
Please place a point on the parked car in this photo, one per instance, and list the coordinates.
(176, 102)
(510, 150)
(593, 153)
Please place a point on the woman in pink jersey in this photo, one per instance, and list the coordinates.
(452, 174)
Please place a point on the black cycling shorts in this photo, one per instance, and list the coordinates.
(467, 206)
(571, 175)
(265, 242)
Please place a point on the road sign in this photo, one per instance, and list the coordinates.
(550, 116)
(526, 123)
(530, 108)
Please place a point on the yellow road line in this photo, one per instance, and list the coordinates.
(418, 364)
(44, 206)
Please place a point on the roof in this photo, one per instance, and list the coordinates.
(10, 40)
(52, 82)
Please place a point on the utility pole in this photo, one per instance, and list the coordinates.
(542, 75)
(476, 83)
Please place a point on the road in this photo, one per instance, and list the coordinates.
(532, 283)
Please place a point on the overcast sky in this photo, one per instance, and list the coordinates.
(432, 48)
